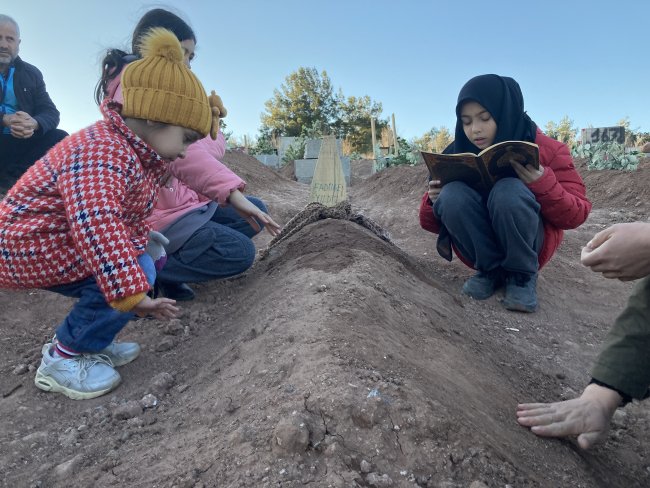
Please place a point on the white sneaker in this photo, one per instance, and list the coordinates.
(79, 378)
(120, 353)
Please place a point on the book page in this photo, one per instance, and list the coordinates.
(497, 158)
(455, 167)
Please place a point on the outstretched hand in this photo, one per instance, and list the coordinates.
(621, 251)
(587, 417)
(252, 214)
(159, 308)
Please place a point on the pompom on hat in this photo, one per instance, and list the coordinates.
(159, 87)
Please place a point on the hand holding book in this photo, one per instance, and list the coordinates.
(527, 172)
(434, 189)
(504, 159)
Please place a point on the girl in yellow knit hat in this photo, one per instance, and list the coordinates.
(75, 222)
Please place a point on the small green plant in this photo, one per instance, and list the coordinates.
(262, 146)
(296, 150)
(407, 155)
(607, 155)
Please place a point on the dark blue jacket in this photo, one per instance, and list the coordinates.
(32, 97)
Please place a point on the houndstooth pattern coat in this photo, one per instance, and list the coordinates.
(80, 211)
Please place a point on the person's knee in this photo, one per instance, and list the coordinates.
(217, 251)
(511, 200)
(258, 203)
(453, 199)
(248, 257)
(55, 135)
(509, 193)
(262, 206)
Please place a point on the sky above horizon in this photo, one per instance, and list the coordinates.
(587, 61)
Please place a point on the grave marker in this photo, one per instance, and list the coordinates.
(328, 185)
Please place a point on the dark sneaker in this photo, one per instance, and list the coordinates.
(483, 284)
(521, 292)
(180, 292)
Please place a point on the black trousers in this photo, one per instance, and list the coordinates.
(16, 155)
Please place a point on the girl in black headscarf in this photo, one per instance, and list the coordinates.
(508, 234)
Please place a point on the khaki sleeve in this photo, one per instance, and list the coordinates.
(624, 362)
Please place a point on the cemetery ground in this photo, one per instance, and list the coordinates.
(339, 360)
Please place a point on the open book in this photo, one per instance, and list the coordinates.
(483, 169)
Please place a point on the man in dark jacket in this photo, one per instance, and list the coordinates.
(622, 369)
(28, 116)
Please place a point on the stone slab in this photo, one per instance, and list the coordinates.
(272, 160)
(304, 169)
(312, 148)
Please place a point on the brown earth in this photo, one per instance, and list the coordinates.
(339, 360)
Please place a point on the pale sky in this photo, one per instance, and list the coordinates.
(587, 60)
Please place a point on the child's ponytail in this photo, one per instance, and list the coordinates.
(112, 65)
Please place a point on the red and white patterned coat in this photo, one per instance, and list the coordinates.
(80, 211)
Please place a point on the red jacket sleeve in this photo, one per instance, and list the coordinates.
(428, 221)
(560, 191)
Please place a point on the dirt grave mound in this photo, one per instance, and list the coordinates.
(258, 176)
(339, 360)
(615, 189)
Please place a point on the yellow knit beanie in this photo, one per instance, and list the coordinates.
(161, 88)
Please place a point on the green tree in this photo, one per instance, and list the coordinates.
(305, 100)
(434, 140)
(564, 131)
(355, 126)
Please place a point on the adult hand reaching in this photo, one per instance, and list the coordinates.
(621, 251)
(587, 417)
(252, 213)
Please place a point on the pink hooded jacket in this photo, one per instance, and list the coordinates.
(194, 181)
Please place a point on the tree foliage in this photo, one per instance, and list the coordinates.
(355, 115)
(305, 99)
(633, 137)
(307, 106)
(435, 140)
(564, 131)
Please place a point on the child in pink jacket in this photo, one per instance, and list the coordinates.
(201, 208)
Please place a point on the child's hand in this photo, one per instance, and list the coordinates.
(528, 174)
(252, 214)
(160, 308)
(434, 189)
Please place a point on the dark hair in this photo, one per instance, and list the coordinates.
(115, 59)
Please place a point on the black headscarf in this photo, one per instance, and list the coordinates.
(501, 96)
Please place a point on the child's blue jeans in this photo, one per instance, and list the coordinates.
(92, 324)
(505, 230)
(220, 248)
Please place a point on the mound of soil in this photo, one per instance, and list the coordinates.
(338, 360)
(619, 189)
(288, 170)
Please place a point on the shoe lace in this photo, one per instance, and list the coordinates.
(87, 361)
